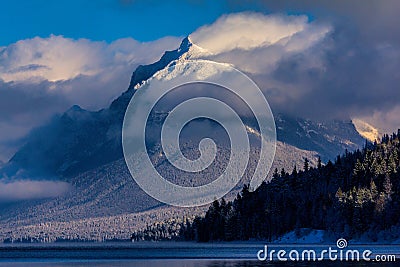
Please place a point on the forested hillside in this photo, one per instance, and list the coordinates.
(356, 196)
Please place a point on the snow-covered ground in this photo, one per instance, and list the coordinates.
(314, 236)
(304, 236)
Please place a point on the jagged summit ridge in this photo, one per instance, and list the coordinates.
(187, 50)
(144, 72)
(185, 45)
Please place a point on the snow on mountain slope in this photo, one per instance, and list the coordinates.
(108, 195)
(329, 139)
(366, 130)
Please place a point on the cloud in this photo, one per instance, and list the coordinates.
(247, 31)
(383, 119)
(83, 72)
(310, 68)
(256, 43)
(28, 190)
(266, 47)
(40, 77)
(58, 58)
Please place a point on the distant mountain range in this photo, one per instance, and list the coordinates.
(84, 148)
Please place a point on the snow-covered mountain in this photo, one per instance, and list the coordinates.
(84, 148)
(329, 139)
(80, 140)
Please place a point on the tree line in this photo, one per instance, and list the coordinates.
(355, 196)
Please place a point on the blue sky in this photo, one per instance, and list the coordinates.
(109, 19)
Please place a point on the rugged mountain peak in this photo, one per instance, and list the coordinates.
(193, 51)
(185, 45)
(144, 72)
(187, 50)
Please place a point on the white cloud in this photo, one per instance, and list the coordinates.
(58, 58)
(256, 43)
(247, 31)
(83, 72)
(26, 190)
(261, 45)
